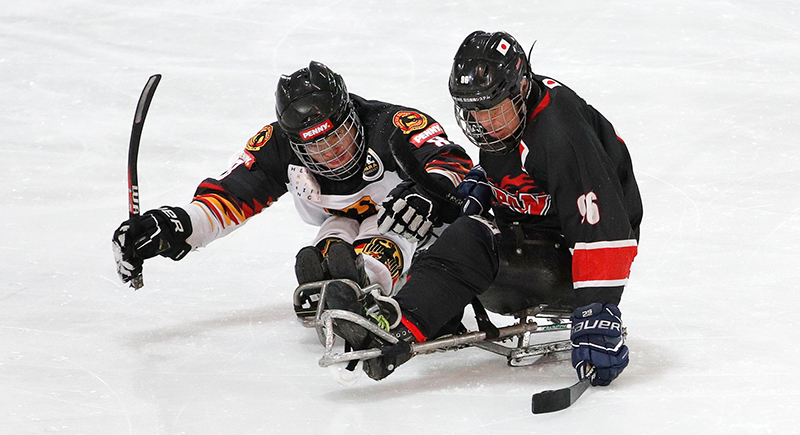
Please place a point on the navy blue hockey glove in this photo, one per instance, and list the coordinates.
(408, 212)
(477, 192)
(161, 231)
(597, 341)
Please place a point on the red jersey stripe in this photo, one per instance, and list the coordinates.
(602, 264)
(542, 104)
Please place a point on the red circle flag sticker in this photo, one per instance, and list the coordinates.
(550, 83)
(503, 47)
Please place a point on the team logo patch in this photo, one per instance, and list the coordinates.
(385, 251)
(520, 183)
(316, 130)
(373, 169)
(521, 194)
(409, 121)
(259, 140)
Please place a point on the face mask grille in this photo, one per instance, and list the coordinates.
(495, 130)
(337, 155)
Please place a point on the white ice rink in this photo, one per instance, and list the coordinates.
(704, 93)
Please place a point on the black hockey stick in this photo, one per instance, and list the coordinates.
(413, 168)
(556, 400)
(133, 154)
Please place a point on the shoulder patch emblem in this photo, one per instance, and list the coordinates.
(409, 121)
(373, 169)
(259, 140)
(550, 83)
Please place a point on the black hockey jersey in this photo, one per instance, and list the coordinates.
(574, 174)
(268, 168)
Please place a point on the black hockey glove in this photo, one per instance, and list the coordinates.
(477, 192)
(409, 212)
(161, 231)
(598, 341)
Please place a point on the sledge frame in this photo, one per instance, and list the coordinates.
(513, 342)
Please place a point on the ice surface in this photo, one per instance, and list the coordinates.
(704, 93)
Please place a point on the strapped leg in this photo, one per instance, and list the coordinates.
(442, 280)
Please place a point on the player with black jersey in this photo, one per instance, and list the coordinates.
(329, 150)
(566, 215)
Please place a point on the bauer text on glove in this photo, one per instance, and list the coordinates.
(598, 341)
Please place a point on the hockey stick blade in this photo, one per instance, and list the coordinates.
(133, 155)
(556, 400)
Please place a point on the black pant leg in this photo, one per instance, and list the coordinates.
(462, 263)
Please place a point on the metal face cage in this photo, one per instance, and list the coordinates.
(495, 130)
(336, 155)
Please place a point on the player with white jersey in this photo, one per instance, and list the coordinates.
(329, 150)
(564, 226)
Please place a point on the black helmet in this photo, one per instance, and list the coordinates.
(489, 68)
(315, 111)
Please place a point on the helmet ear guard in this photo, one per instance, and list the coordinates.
(315, 111)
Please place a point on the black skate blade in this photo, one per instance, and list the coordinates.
(556, 400)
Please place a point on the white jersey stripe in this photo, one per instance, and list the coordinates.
(453, 177)
(605, 244)
(600, 283)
